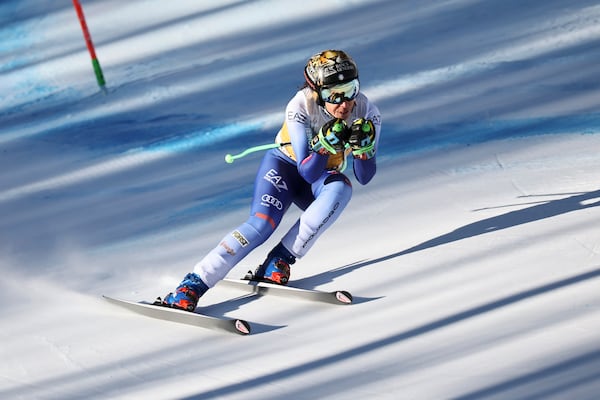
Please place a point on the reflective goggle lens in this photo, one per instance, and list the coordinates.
(337, 94)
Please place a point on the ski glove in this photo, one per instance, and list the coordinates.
(331, 138)
(362, 139)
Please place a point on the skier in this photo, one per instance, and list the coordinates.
(327, 122)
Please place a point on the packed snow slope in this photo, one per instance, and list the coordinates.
(474, 254)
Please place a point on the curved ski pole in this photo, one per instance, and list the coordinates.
(229, 158)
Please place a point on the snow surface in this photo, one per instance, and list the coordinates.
(474, 254)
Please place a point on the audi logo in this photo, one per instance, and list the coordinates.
(274, 201)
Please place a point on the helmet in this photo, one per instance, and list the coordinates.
(328, 68)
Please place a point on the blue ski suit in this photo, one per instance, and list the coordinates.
(294, 174)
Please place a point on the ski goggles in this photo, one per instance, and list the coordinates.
(339, 93)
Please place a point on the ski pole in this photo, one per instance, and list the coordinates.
(90, 45)
(229, 158)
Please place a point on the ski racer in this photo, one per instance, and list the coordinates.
(328, 123)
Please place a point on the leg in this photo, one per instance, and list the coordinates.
(273, 187)
(275, 183)
(332, 192)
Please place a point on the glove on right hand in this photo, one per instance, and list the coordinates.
(332, 137)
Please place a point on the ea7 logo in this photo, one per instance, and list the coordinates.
(294, 116)
(269, 200)
(277, 181)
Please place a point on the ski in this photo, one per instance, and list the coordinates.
(261, 288)
(156, 310)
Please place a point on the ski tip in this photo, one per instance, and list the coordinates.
(242, 327)
(343, 297)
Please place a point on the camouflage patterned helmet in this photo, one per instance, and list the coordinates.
(328, 68)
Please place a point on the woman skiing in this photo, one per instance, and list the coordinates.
(328, 122)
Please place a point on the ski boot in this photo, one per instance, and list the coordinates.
(187, 293)
(276, 268)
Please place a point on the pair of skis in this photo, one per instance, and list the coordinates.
(239, 326)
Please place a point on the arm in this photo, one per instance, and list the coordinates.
(310, 164)
(366, 167)
(364, 170)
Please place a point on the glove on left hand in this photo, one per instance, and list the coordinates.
(362, 139)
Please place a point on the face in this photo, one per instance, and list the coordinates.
(339, 98)
(341, 110)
